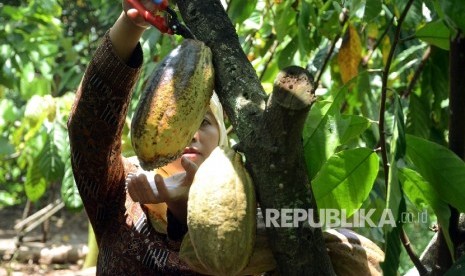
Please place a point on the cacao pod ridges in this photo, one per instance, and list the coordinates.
(221, 214)
(173, 104)
(352, 254)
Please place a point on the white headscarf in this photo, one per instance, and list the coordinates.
(217, 111)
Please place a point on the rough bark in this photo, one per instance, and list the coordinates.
(269, 134)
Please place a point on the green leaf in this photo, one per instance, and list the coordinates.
(69, 190)
(435, 33)
(240, 10)
(398, 142)
(393, 247)
(440, 167)
(325, 129)
(5, 147)
(405, 60)
(346, 180)
(366, 9)
(319, 149)
(319, 141)
(329, 20)
(285, 18)
(50, 159)
(458, 268)
(395, 201)
(286, 56)
(350, 127)
(35, 184)
(418, 117)
(453, 12)
(304, 35)
(421, 193)
(395, 196)
(372, 9)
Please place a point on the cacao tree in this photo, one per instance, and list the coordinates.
(385, 130)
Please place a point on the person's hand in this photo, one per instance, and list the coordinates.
(128, 29)
(173, 190)
(134, 16)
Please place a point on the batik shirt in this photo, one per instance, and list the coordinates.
(128, 244)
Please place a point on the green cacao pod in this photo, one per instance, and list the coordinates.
(221, 214)
(173, 105)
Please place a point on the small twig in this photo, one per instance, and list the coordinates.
(384, 90)
(326, 61)
(45, 217)
(367, 58)
(411, 253)
(418, 72)
(39, 217)
(275, 43)
(267, 63)
(403, 236)
(345, 17)
(20, 225)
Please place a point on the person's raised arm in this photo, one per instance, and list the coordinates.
(98, 115)
(128, 29)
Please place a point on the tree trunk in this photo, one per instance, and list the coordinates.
(457, 127)
(269, 134)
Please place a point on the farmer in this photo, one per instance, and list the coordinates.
(133, 238)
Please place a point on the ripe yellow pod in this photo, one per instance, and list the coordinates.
(173, 105)
(221, 214)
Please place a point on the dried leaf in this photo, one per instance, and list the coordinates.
(350, 55)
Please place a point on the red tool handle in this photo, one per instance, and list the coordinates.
(156, 20)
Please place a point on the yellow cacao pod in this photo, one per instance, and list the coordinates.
(262, 258)
(352, 254)
(173, 105)
(221, 214)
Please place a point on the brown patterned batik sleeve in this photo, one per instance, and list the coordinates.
(95, 127)
(127, 245)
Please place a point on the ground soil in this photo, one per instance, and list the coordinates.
(66, 229)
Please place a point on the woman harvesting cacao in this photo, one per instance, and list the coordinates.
(143, 238)
(133, 239)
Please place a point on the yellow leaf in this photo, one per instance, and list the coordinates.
(385, 48)
(372, 30)
(350, 54)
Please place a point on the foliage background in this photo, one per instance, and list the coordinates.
(46, 44)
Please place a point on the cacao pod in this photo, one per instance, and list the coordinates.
(173, 105)
(352, 254)
(262, 258)
(221, 214)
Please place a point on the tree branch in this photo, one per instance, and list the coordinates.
(280, 165)
(382, 133)
(384, 88)
(456, 126)
(344, 16)
(411, 253)
(418, 71)
(270, 137)
(367, 58)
